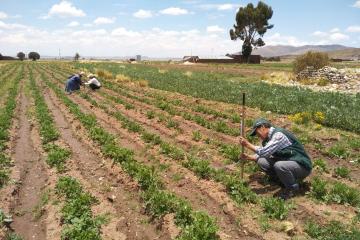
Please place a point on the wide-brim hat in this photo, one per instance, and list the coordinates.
(257, 123)
(91, 75)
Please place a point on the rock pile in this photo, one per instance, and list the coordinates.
(333, 75)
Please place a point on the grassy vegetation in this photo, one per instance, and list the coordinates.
(335, 192)
(340, 109)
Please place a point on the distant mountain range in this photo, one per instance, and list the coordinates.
(334, 51)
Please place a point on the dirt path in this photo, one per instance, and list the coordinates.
(33, 177)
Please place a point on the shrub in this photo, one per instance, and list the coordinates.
(313, 59)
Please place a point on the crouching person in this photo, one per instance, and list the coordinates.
(93, 83)
(73, 83)
(281, 156)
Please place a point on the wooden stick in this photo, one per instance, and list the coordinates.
(242, 131)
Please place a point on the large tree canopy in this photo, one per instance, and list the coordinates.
(21, 55)
(251, 25)
(34, 56)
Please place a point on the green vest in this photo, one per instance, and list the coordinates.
(294, 152)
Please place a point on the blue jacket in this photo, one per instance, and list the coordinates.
(73, 83)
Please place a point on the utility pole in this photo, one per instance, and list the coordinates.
(59, 54)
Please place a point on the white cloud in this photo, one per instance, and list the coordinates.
(123, 32)
(104, 20)
(333, 36)
(73, 24)
(319, 34)
(338, 37)
(64, 9)
(174, 11)
(3, 15)
(11, 26)
(143, 14)
(220, 7)
(278, 39)
(214, 29)
(353, 29)
(357, 4)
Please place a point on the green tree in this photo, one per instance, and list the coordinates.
(21, 56)
(251, 25)
(77, 56)
(34, 56)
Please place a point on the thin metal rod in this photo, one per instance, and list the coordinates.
(242, 131)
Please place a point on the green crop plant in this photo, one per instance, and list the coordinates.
(76, 212)
(151, 138)
(318, 189)
(342, 172)
(339, 151)
(200, 167)
(172, 151)
(320, 164)
(336, 192)
(334, 230)
(57, 156)
(203, 227)
(172, 124)
(275, 207)
(196, 136)
(230, 151)
(150, 114)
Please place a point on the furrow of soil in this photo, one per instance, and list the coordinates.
(109, 184)
(33, 180)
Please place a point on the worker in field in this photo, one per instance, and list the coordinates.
(74, 82)
(282, 157)
(93, 83)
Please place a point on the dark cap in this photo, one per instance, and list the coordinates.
(258, 122)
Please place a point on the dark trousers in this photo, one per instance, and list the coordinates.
(288, 172)
(93, 86)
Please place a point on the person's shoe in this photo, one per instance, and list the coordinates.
(289, 192)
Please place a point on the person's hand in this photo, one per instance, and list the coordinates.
(243, 141)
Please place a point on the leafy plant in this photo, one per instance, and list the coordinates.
(342, 172)
(196, 136)
(275, 207)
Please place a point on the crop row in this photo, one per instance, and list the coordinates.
(56, 155)
(340, 109)
(158, 201)
(76, 212)
(272, 208)
(238, 190)
(6, 115)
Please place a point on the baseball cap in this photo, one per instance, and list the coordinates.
(257, 123)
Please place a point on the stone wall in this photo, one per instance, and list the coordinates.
(332, 74)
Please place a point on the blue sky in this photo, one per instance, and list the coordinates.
(165, 28)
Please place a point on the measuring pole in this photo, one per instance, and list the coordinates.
(242, 131)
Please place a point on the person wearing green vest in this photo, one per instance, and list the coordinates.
(281, 156)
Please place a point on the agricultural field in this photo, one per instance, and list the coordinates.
(154, 154)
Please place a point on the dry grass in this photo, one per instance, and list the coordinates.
(188, 73)
(143, 83)
(278, 77)
(104, 74)
(122, 78)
